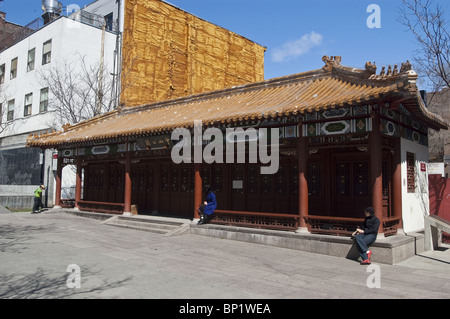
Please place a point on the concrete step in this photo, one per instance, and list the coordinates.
(150, 224)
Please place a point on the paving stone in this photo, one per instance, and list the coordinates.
(115, 262)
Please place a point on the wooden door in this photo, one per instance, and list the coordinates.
(220, 185)
(281, 190)
(316, 185)
(186, 191)
(150, 203)
(252, 189)
(174, 190)
(164, 192)
(95, 188)
(351, 188)
(237, 198)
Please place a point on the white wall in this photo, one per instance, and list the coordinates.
(415, 205)
(70, 41)
(105, 7)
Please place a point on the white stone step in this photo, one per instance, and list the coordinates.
(158, 225)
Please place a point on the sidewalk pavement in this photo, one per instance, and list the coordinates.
(57, 255)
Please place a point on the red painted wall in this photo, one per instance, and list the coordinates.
(440, 198)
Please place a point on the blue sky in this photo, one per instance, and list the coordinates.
(296, 33)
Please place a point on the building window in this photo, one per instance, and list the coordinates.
(109, 22)
(30, 61)
(2, 73)
(14, 68)
(10, 115)
(28, 103)
(411, 172)
(43, 105)
(47, 52)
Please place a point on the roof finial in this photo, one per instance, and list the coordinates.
(395, 69)
(405, 67)
(371, 68)
(389, 72)
(66, 127)
(331, 62)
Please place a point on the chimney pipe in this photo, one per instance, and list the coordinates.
(52, 10)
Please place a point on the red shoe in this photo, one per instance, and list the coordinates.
(369, 254)
(365, 262)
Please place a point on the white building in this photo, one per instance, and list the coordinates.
(65, 46)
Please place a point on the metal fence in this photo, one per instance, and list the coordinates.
(81, 16)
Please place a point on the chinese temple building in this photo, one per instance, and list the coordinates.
(348, 138)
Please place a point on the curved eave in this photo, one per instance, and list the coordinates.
(417, 107)
(56, 140)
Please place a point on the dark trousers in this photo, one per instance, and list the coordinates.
(203, 217)
(37, 204)
(363, 242)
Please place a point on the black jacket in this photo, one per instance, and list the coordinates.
(371, 225)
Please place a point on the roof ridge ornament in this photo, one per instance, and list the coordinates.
(371, 68)
(395, 69)
(66, 127)
(406, 69)
(331, 62)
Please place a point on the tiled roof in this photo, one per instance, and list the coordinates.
(333, 86)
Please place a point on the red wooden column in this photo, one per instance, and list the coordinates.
(59, 167)
(376, 177)
(127, 195)
(302, 157)
(198, 189)
(397, 185)
(78, 182)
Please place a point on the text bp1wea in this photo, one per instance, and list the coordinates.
(227, 308)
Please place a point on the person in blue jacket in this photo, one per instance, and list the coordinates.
(207, 208)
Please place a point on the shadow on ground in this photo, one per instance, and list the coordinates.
(45, 284)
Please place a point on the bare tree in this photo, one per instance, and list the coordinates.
(427, 21)
(77, 91)
(438, 102)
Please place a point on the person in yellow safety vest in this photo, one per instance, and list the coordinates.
(38, 199)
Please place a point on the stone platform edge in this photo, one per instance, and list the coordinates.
(389, 250)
